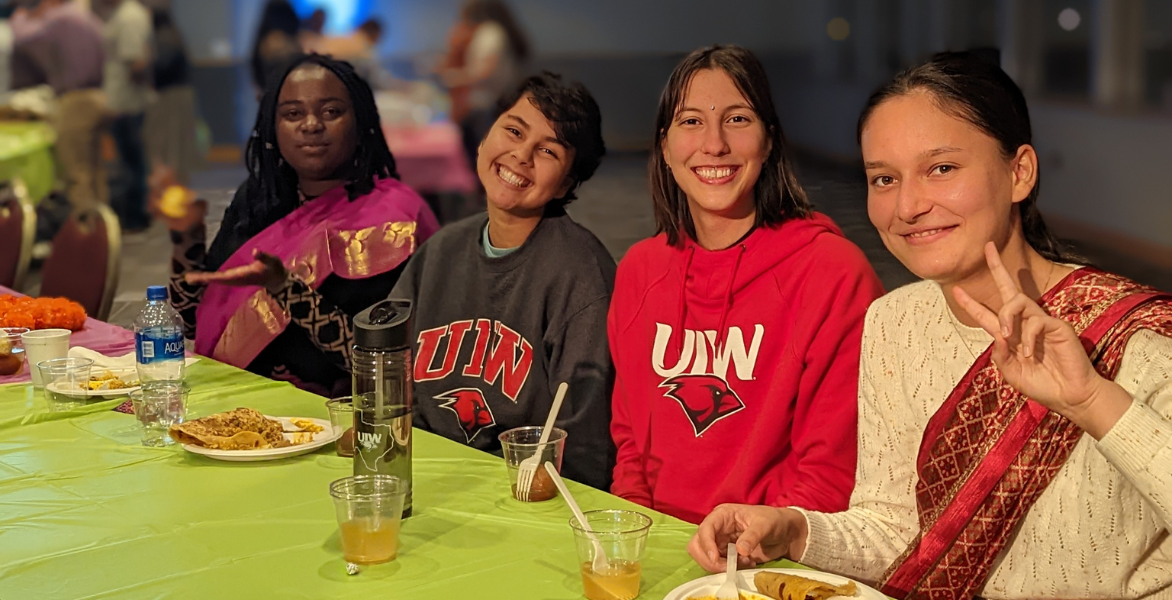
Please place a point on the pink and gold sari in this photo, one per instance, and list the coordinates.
(988, 453)
(329, 236)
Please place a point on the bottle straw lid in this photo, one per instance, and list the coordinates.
(384, 326)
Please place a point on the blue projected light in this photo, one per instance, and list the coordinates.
(342, 16)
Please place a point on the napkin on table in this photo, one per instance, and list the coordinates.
(125, 361)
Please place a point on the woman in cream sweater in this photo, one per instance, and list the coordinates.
(1015, 409)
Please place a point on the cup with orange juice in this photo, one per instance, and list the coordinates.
(623, 536)
(369, 509)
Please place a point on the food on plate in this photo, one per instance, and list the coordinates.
(240, 429)
(744, 596)
(307, 425)
(175, 201)
(106, 380)
(40, 313)
(10, 362)
(781, 586)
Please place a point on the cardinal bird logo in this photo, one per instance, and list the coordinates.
(705, 399)
(471, 410)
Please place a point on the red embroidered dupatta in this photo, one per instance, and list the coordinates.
(989, 452)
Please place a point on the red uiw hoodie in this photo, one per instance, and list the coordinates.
(737, 370)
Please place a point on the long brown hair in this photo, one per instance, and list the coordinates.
(971, 87)
(777, 194)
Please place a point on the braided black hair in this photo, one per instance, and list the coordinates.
(272, 183)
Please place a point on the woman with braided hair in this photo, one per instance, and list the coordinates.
(320, 231)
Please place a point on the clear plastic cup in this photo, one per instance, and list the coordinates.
(66, 382)
(17, 355)
(42, 345)
(369, 509)
(342, 417)
(521, 443)
(158, 405)
(623, 537)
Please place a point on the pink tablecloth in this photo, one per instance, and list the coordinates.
(108, 339)
(431, 158)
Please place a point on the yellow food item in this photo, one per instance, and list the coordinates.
(175, 201)
(307, 425)
(5, 345)
(302, 437)
(780, 586)
(106, 381)
(744, 595)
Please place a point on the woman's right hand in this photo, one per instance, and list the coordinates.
(761, 533)
(191, 218)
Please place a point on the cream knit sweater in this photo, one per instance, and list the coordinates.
(1100, 530)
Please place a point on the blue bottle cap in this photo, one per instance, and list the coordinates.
(157, 292)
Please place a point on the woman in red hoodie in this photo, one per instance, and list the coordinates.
(735, 331)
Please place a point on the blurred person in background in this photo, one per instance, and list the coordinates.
(360, 49)
(170, 126)
(127, 84)
(312, 32)
(275, 42)
(6, 43)
(493, 63)
(64, 39)
(277, 290)
(459, 37)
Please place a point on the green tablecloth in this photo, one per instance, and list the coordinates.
(85, 511)
(26, 151)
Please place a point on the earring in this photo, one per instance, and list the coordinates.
(713, 107)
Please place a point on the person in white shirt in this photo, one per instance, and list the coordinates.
(493, 64)
(1015, 408)
(127, 85)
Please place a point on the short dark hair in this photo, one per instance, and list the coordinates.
(777, 194)
(970, 86)
(576, 120)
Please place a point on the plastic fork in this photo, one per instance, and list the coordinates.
(729, 590)
(528, 467)
(600, 563)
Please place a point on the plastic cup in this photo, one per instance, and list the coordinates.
(623, 537)
(521, 443)
(342, 417)
(42, 345)
(17, 344)
(369, 510)
(66, 381)
(158, 405)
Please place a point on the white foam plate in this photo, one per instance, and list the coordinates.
(63, 388)
(324, 437)
(707, 586)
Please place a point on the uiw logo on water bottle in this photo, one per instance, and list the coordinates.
(369, 440)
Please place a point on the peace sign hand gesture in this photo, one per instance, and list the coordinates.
(1041, 356)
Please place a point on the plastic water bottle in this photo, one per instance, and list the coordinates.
(158, 339)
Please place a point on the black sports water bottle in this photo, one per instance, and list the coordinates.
(382, 392)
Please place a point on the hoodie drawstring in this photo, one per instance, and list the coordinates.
(720, 334)
(683, 308)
